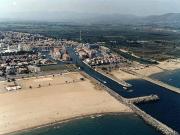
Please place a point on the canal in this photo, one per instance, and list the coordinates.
(167, 110)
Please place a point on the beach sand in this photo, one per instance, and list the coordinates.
(121, 75)
(66, 97)
(147, 71)
(169, 65)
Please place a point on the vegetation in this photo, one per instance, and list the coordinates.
(69, 67)
(160, 43)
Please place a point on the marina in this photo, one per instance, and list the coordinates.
(138, 87)
(164, 129)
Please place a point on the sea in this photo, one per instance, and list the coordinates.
(124, 124)
(169, 77)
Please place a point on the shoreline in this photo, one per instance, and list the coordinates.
(172, 71)
(165, 66)
(138, 76)
(92, 116)
(146, 71)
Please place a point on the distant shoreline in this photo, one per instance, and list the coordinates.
(149, 71)
(172, 71)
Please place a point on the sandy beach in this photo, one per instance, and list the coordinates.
(169, 65)
(58, 98)
(121, 75)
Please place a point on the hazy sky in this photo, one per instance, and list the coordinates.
(14, 8)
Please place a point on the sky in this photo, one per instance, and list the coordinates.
(46, 8)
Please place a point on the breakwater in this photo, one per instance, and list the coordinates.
(164, 129)
(143, 99)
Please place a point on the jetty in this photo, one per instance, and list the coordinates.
(164, 129)
(155, 81)
(143, 99)
(159, 126)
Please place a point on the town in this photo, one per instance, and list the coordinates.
(98, 55)
(23, 53)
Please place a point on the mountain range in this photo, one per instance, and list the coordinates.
(169, 20)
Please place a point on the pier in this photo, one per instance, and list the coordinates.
(164, 129)
(157, 82)
(143, 99)
(159, 126)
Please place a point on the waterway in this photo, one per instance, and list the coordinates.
(166, 110)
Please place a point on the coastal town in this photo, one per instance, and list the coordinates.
(23, 53)
(23, 60)
(89, 67)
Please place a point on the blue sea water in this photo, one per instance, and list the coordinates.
(104, 125)
(169, 77)
(166, 110)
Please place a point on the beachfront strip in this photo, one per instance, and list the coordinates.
(54, 98)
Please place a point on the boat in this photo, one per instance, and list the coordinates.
(125, 88)
(104, 82)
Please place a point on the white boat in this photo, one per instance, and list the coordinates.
(104, 82)
(125, 88)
